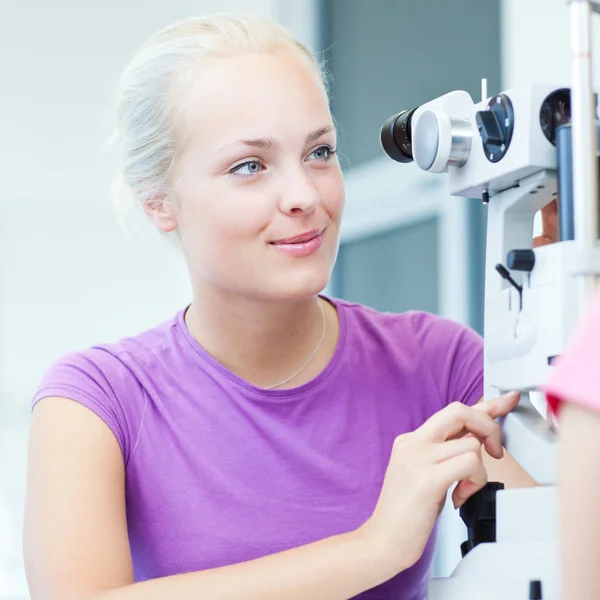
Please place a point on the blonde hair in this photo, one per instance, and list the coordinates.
(152, 87)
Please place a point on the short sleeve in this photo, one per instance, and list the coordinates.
(97, 380)
(576, 374)
(453, 355)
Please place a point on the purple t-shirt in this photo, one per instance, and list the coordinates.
(219, 471)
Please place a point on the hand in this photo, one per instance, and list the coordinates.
(424, 464)
(549, 225)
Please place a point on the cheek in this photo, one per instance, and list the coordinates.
(220, 218)
(239, 218)
(332, 194)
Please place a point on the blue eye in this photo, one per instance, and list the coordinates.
(252, 167)
(248, 168)
(323, 153)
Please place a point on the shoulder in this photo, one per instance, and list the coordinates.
(111, 362)
(108, 379)
(429, 331)
(436, 334)
(449, 352)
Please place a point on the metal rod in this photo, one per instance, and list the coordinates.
(583, 114)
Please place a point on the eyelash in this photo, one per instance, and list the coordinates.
(235, 171)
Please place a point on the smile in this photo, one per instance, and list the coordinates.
(303, 245)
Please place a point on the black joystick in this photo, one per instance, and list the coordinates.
(479, 515)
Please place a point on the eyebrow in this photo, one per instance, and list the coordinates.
(271, 143)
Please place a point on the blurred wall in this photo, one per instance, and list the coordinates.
(536, 40)
(390, 55)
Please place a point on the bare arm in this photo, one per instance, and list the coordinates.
(76, 544)
(579, 457)
(508, 471)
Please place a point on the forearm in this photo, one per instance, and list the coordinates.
(336, 568)
(508, 471)
(579, 488)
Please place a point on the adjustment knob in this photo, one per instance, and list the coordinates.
(521, 260)
(496, 125)
(489, 128)
(439, 141)
(535, 590)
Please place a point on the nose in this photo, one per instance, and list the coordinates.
(299, 194)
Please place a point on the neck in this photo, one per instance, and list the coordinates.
(262, 341)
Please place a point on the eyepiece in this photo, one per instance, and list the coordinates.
(555, 112)
(396, 136)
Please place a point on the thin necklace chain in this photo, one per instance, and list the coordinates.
(312, 355)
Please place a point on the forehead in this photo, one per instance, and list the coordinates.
(256, 95)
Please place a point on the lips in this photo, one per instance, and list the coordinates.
(299, 239)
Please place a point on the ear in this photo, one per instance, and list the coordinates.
(161, 213)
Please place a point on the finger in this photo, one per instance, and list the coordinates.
(467, 487)
(467, 466)
(500, 406)
(542, 240)
(550, 234)
(457, 419)
(451, 448)
(550, 220)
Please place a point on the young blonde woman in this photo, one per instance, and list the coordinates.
(267, 441)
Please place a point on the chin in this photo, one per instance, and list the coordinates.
(300, 285)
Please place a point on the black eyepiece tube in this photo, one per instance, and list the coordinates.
(396, 136)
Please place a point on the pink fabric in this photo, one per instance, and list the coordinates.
(576, 376)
